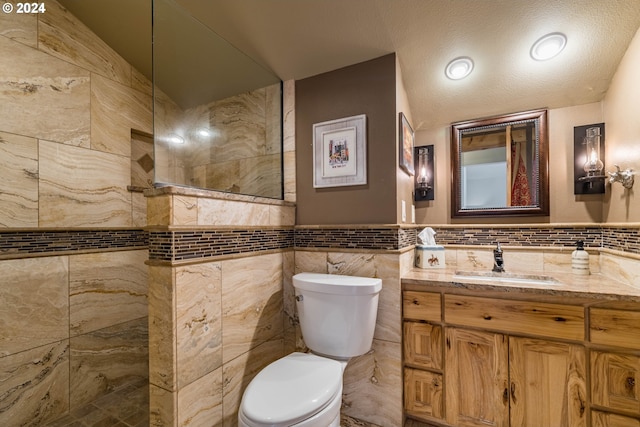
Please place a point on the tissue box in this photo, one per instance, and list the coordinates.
(430, 256)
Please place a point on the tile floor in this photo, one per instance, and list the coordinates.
(127, 406)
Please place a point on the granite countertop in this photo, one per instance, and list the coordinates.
(567, 285)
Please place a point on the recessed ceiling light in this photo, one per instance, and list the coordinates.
(459, 68)
(546, 47)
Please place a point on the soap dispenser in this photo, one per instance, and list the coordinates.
(580, 260)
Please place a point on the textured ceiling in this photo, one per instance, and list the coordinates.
(302, 38)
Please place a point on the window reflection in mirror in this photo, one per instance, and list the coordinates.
(499, 166)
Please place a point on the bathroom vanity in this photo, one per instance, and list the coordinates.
(560, 352)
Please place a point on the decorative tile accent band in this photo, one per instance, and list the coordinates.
(196, 244)
(354, 238)
(521, 236)
(19, 244)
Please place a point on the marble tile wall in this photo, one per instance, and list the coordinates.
(74, 328)
(216, 322)
(74, 289)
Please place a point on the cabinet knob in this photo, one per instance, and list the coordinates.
(631, 383)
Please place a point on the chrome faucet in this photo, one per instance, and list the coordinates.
(498, 261)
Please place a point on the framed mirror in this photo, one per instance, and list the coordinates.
(500, 167)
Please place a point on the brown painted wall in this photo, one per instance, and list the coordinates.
(366, 88)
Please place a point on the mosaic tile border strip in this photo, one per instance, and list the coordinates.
(197, 244)
(190, 245)
(354, 238)
(523, 236)
(20, 244)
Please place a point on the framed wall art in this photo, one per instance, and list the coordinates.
(406, 145)
(340, 152)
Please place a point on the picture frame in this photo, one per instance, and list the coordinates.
(340, 152)
(406, 144)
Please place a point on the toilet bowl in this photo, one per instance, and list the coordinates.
(301, 390)
(337, 318)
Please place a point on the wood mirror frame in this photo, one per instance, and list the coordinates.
(532, 126)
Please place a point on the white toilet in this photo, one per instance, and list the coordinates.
(337, 318)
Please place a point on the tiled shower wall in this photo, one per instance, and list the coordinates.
(73, 293)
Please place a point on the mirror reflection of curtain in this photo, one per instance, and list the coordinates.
(520, 194)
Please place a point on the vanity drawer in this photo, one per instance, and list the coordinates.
(535, 318)
(421, 306)
(423, 345)
(614, 380)
(615, 327)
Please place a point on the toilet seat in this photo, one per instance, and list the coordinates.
(291, 390)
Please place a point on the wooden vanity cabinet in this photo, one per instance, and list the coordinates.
(615, 367)
(503, 364)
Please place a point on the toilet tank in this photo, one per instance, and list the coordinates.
(337, 313)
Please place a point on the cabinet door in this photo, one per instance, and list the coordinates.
(423, 393)
(613, 381)
(423, 345)
(476, 378)
(548, 386)
(603, 419)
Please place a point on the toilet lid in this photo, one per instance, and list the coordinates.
(292, 389)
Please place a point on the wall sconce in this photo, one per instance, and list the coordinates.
(588, 153)
(423, 178)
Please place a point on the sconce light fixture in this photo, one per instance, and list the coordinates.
(424, 177)
(588, 153)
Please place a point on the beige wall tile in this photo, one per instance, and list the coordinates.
(352, 264)
(389, 322)
(185, 210)
(159, 210)
(311, 262)
(19, 184)
(61, 35)
(522, 261)
(251, 303)
(200, 402)
(106, 289)
(373, 386)
(238, 373)
(80, 187)
(116, 109)
(41, 96)
(225, 212)
(199, 321)
(104, 360)
(162, 328)
(475, 259)
(138, 210)
(163, 407)
(282, 215)
(34, 385)
(626, 270)
(20, 27)
(140, 82)
(289, 160)
(35, 303)
(260, 176)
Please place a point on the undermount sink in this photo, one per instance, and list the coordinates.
(531, 279)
